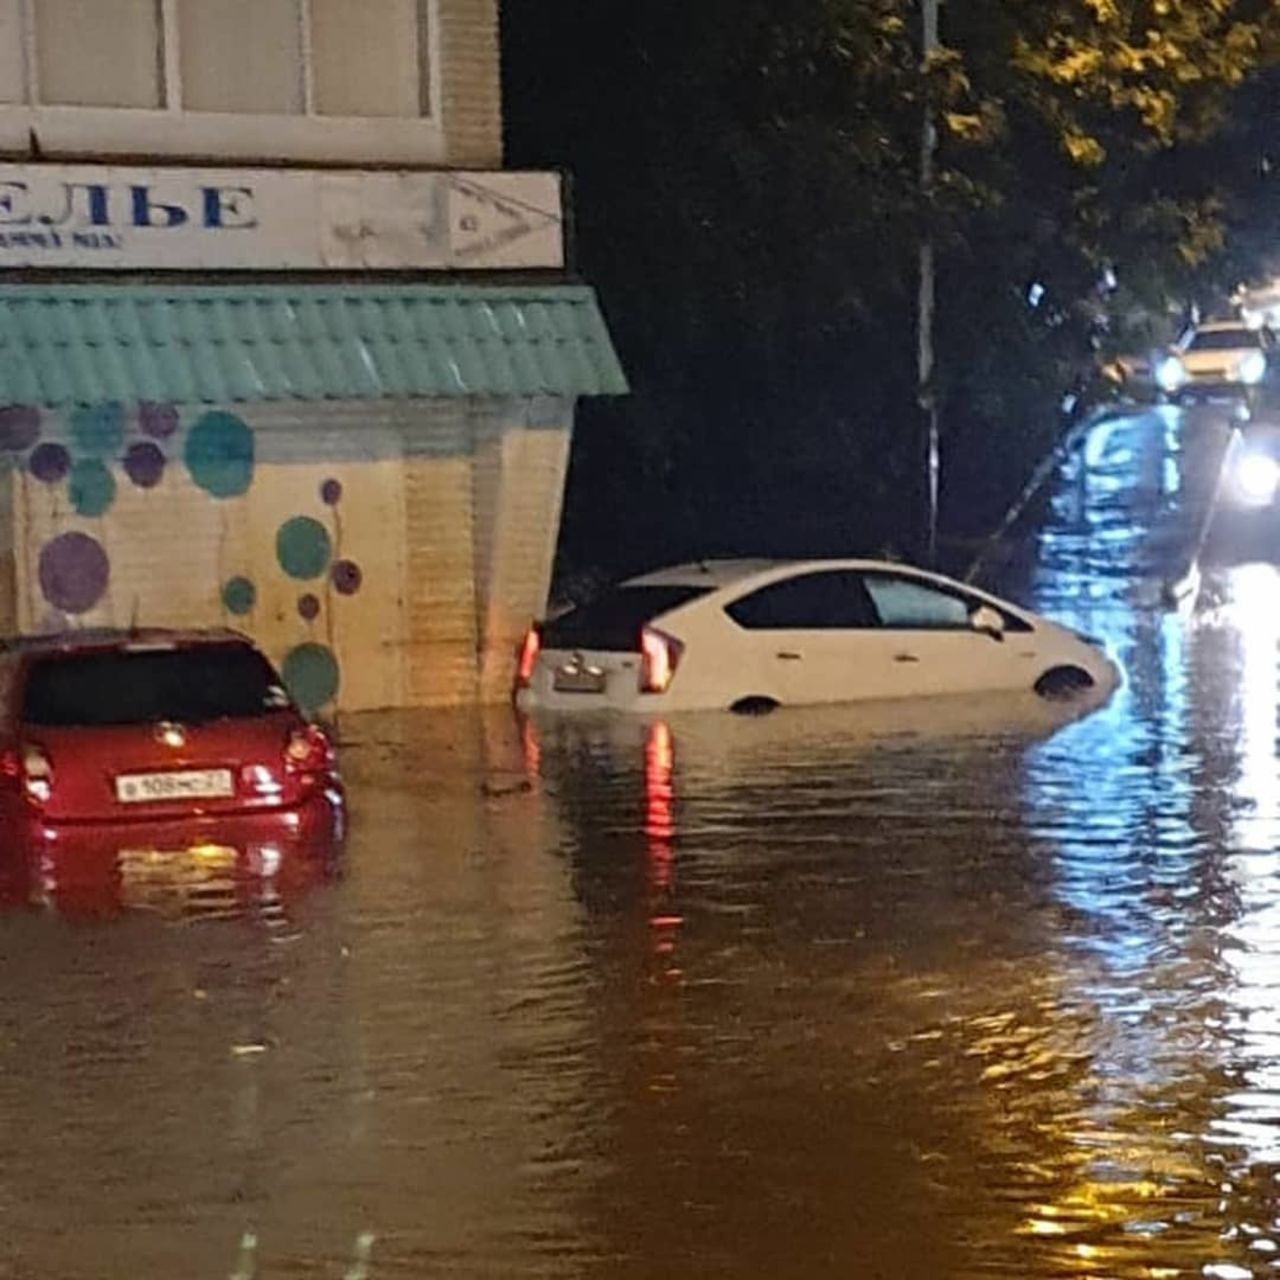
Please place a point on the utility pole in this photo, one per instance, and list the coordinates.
(926, 305)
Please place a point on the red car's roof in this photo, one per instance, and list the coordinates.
(98, 638)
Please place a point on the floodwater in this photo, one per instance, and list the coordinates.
(975, 990)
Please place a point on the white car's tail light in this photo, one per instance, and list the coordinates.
(529, 651)
(659, 657)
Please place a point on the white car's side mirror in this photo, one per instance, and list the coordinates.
(988, 621)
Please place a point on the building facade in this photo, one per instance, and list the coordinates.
(281, 345)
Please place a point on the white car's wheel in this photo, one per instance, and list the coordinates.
(754, 705)
(1061, 683)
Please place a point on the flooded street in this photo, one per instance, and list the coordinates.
(952, 991)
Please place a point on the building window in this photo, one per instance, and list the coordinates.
(331, 58)
(241, 55)
(368, 59)
(98, 53)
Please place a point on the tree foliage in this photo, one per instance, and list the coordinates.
(748, 203)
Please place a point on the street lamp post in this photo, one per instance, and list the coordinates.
(927, 300)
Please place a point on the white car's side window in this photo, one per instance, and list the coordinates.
(831, 600)
(906, 605)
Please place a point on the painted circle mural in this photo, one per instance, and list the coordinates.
(74, 572)
(92, 488)
(49, 463)
(144, 464)
(219, 455)
(311, 673)
(331, 493)
(346, 577)
(308, 607)
(239, 595)
(303, 548)
(98, 429)
(19, 427)
(159, 421)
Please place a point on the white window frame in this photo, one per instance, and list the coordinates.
(171, 131)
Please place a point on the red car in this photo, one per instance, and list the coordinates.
(155, 744)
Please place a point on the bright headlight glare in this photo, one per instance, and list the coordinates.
(1170, 374)
(1257, 478)
(1253, 367)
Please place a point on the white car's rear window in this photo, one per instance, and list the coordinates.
(612, 622)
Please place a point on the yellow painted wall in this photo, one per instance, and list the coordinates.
(448, 511)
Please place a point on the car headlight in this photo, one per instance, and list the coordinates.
(1252, 368)
(1257, 478)
(1170, 374)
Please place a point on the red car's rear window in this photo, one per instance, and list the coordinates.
(141, 686)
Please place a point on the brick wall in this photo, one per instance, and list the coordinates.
(470, 95)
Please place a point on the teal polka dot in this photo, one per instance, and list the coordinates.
(98, 430)
(311, 673)
(91, 487)
(239, 595)
(219, 455)
(303, 548)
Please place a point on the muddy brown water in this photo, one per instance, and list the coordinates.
(972, 990)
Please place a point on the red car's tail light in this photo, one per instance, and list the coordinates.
(529, 651)
(37, 773)
(659, 657)
(308, 750)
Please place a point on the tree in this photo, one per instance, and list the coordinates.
(748, 206)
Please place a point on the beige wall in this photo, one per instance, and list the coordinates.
(471, 98)
(449, 509)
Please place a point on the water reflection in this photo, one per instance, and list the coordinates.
(1160, 817)
(974, 988)
(214, 876)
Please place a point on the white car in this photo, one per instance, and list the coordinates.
(1222, 359)
(753, 635)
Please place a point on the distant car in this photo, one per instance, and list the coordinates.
(753, 635)
(148, 743)
(1224, 359)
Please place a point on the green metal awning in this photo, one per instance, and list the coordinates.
(189, 344)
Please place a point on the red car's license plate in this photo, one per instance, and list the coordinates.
(189, 784)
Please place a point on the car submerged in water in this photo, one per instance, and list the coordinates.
(156, 745)
(753, 635)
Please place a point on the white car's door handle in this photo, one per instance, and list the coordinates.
(786, 655)
(905, 657)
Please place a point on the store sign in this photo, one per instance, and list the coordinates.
(277, 219)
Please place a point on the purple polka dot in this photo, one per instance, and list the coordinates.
(347, 577)
(144, 464)
(331, 492)
(159, 421)
(309, 607)
(49, 463)
(74, 572)
(19, 426)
